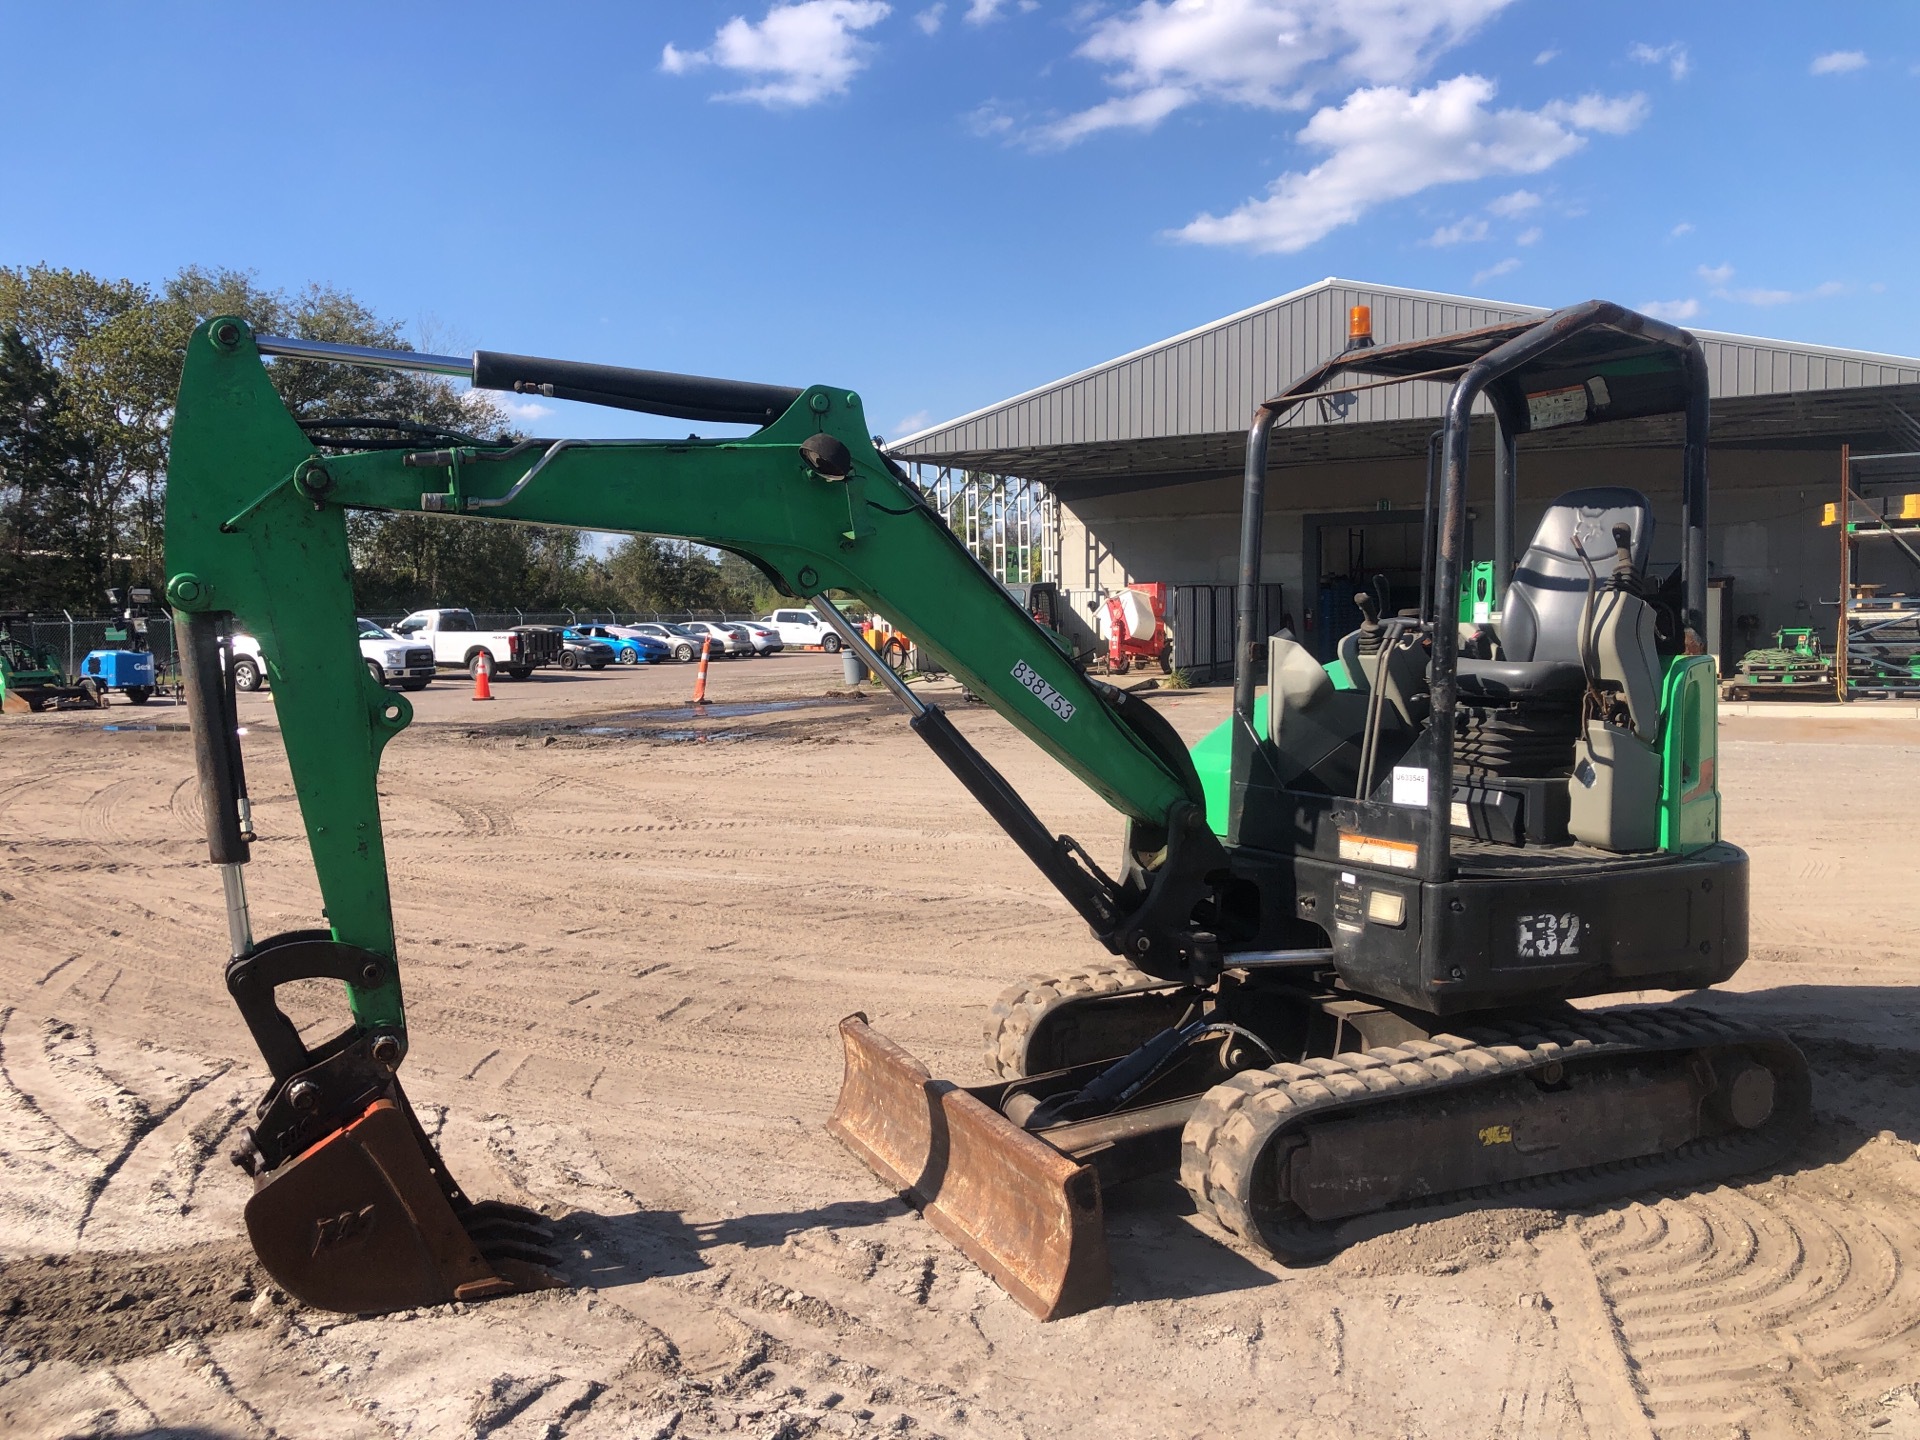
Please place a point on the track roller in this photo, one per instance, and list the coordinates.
(1098, 1012)
(1577, 1108)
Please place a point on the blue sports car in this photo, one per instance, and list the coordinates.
(627, 649)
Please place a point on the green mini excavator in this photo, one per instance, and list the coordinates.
(1345, 927)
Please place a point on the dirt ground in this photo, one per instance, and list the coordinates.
(627, 933)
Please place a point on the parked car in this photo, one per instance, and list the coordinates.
(764, 638)
(458, 641)
(725, 641)
(579, 653)
(628, 649)
(390, 659)
(680, 645)
(802, 627)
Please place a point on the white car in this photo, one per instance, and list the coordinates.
(801, 627)
(679, 643)
(725, 641)
(390, 660)
(766, 640)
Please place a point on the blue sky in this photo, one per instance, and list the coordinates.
(942, 204)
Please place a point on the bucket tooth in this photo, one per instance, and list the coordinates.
(1019, 1209)
(366, 1220)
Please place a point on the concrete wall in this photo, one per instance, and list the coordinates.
(1765, 528)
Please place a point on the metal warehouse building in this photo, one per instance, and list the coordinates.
(1140, 459)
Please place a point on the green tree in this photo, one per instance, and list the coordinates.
(41, 518)
(646, 572)
(115, 349)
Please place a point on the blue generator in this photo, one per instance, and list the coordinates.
(129, 671)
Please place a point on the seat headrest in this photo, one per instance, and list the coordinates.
(1541, 613)
(1591, 514)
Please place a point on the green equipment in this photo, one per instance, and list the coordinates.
(31, 678)
(1344, 927)
(1794, 665)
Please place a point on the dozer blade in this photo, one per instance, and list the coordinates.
(367, 1220)
(1019, 1209)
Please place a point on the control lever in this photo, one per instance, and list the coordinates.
(1623, 577)
(1370, 630)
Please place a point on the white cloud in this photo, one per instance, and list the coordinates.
(1825, 290)
(1514, 205)
(929, 19)
(1529, 236)
(1497, 269)
(1386, 143)
(1685, 227)
(988, 119)
(1838, 62)
(1546, 57)
(1673, 56)
(1272, 54)
(982, 11)
(1460, 232)
(910, 424)
(801, 52)
(1675, 310)
(520, 413)
(1716, 274)
(1610, 114)
(1141, 110)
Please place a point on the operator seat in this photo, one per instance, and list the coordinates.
(1539, 626)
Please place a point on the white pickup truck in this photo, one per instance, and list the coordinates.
(802, 627)
(458, 642)
(390, 660)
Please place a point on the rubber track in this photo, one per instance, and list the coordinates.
(1238, 1119)
(1020, 1008)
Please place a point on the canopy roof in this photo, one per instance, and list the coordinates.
(1177, 410)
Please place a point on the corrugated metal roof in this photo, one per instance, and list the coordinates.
(1208, 380)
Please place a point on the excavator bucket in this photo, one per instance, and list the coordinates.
(368, 1220)
(1019, 1209)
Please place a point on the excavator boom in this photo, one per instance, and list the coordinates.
(353, 1209)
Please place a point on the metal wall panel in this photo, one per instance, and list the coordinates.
(1209, 382)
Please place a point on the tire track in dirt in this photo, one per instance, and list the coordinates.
(184, 805)
(101, 818)
(89, 1142)
(1782, 1306)
(40, 782)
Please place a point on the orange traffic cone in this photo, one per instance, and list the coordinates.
(483, 678)
(700, 680)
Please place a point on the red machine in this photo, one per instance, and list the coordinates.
(1137, 628)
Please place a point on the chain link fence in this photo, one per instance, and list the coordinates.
(69, 638)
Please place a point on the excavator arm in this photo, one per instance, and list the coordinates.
(353, 1209)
